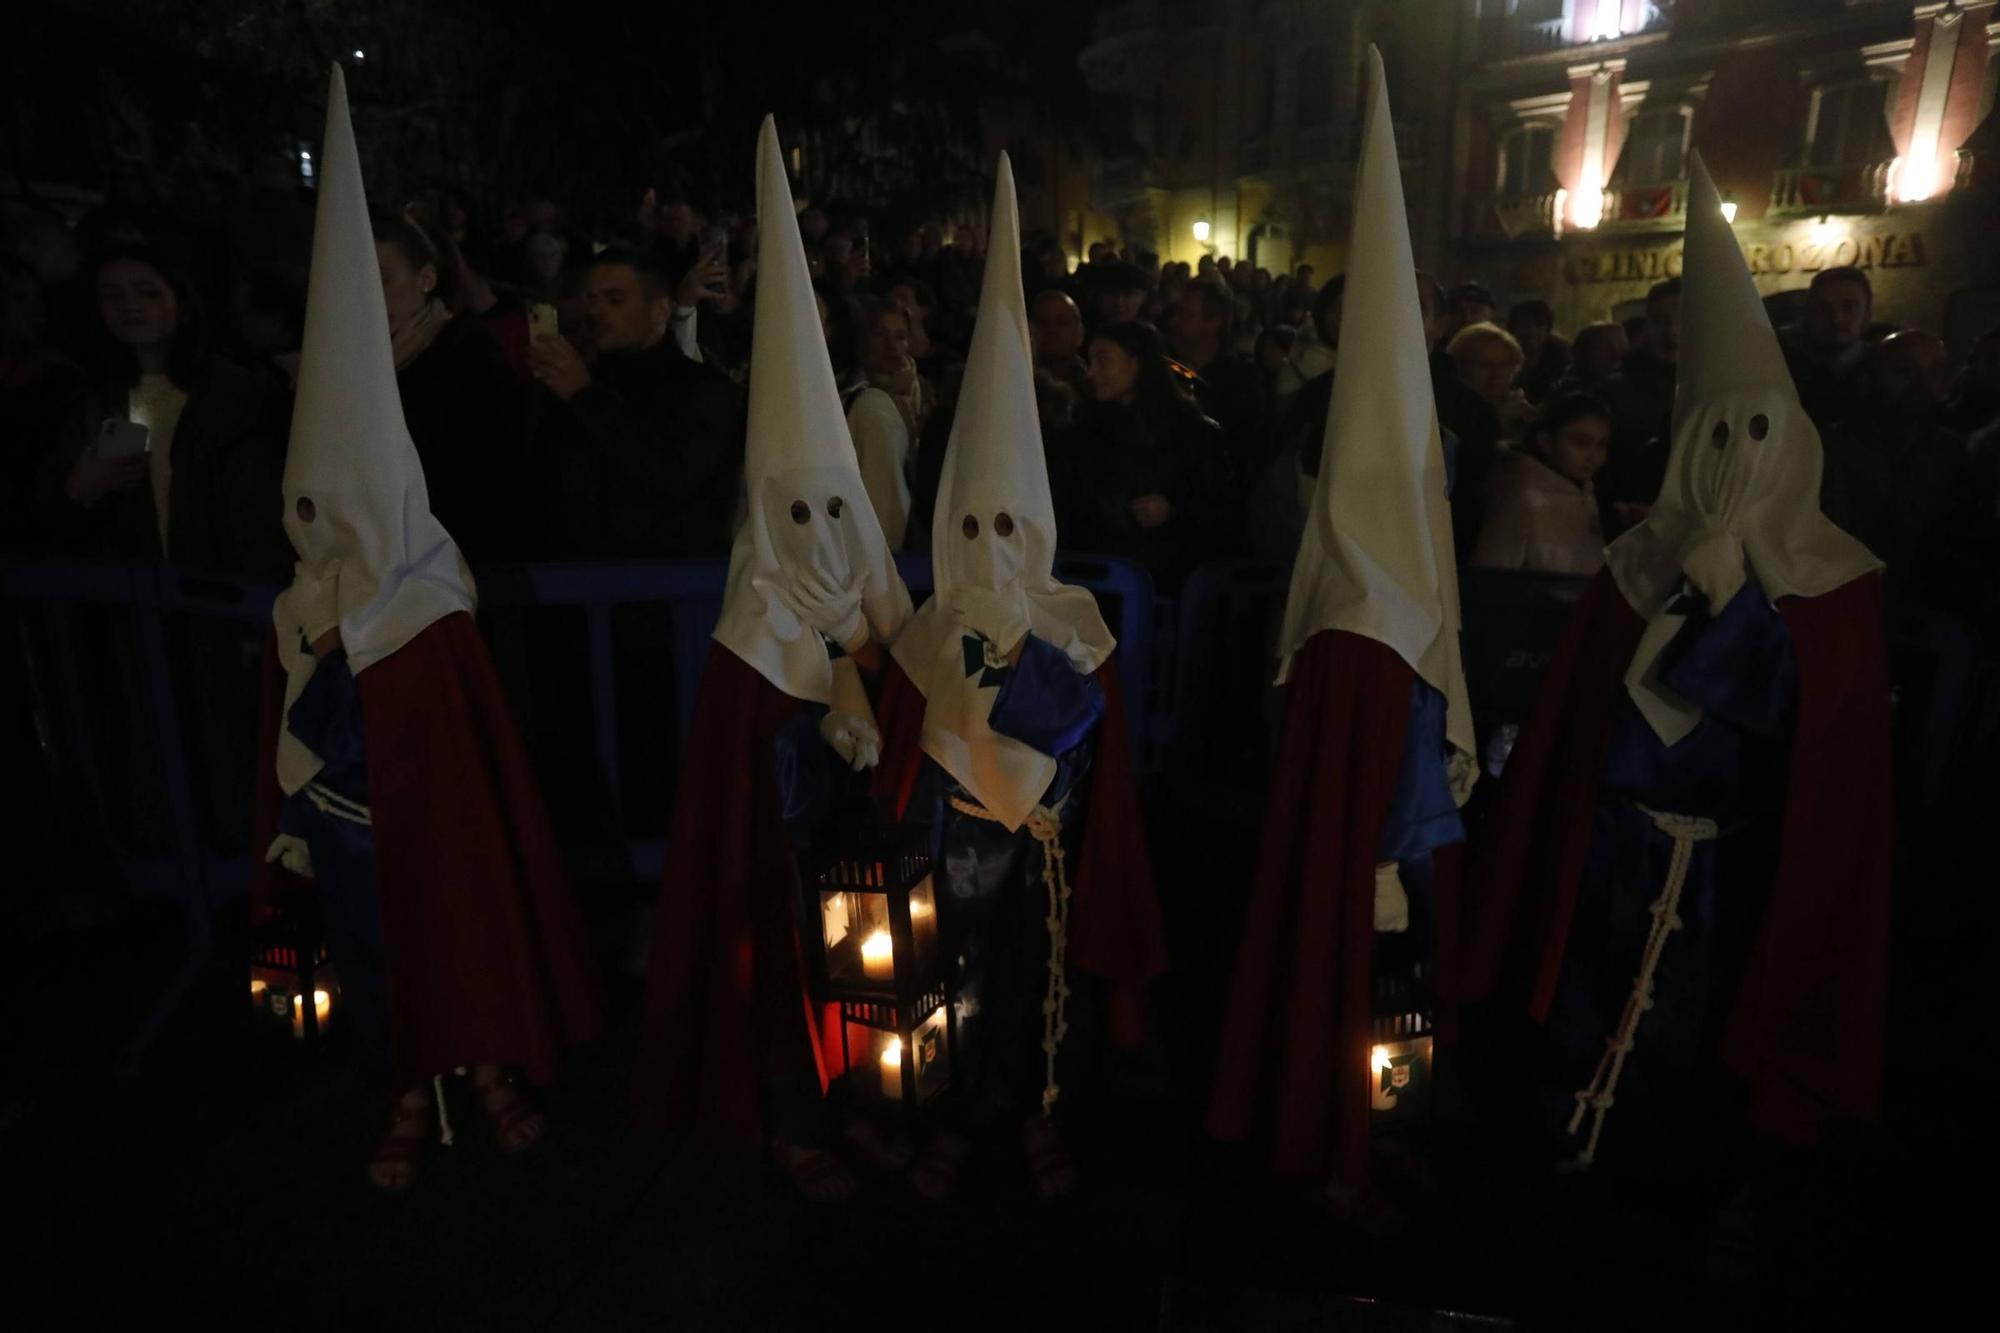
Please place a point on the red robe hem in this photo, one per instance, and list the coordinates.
(486, 955)
(726, 1001)
(1293, 1062)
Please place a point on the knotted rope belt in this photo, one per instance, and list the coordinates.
(1045, 826)
(1597, 1099)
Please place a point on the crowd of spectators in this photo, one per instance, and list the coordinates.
(578, 393)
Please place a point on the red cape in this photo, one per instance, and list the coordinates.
(1114, 925)
(487, 958)
(1295, 1037)
(726, 1003)
(1806, 1031)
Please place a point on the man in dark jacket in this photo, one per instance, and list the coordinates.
(1227, 387)
(653, 441)
(1641, 399)
(1893, 473)
(1825, 351)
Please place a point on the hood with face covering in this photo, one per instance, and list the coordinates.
(1741, 493)
(993, 544)
(809, 521)
(373, 561)
(1377, 559)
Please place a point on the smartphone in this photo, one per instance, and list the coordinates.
(117, 438)
(542, 321)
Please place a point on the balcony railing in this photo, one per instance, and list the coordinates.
(1546, 35)
(1637, 207)
(1521, 215)
(1861, 187)
(1506, 36)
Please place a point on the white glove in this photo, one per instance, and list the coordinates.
(853, 738)
(1000, 616)
(291, 853)
(1462, 774)
(1392, 904)
(834, 612)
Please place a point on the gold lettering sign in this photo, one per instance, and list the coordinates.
(1889, 250)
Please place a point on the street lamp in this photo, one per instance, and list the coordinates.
(1201, 230)
(1729, 211)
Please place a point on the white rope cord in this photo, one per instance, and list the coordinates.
(1597, 1099)
(444, 1116)
(1045, 826)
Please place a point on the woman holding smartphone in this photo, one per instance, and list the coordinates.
(174, 452)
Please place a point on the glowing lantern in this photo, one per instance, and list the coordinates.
(871, 946)
(284, 993)
(1399, 1052)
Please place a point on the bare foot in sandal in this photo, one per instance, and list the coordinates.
(935, 1173)
(883, 1148)
(1052, 1172)
(819, 1175)
(394, 1166)
(517, 1122)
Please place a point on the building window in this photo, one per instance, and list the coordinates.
(1314, 87)
(1848, 125)
(1655, 148)
(1526, 154)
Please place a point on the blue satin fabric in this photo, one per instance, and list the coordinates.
(1673, 1102)
(327, 718)
(1423, 816)
(992, 901)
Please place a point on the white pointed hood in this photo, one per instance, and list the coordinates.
(372, 558)
(1377, 558)
(1742, 486)
(994, 530)
(808, 513)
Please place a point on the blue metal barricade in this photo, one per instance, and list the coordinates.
(1214, 730)
(124, 702)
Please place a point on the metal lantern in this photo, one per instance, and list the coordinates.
(292, 983)
(293, 987)
(869, 926)
(1400, 1048)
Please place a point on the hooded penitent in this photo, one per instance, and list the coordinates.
(810, 537)
(1741, 493)
(993, 546)
(373, 561)
(1377, 557)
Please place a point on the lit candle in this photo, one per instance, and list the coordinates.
(1379, 1098)
(892, 1069)
(878, 957)
(322, 1007)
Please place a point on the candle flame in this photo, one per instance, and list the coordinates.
(1378, 1059)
